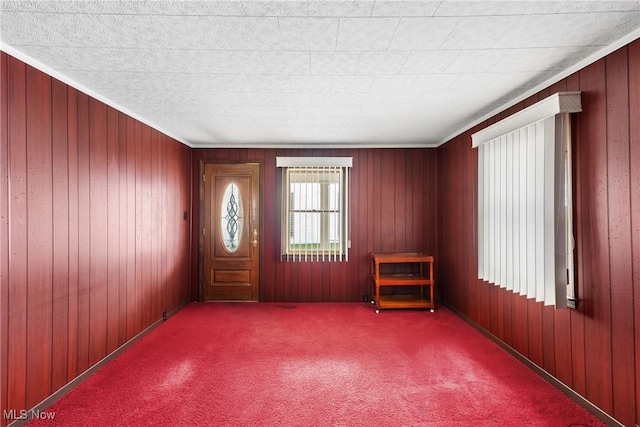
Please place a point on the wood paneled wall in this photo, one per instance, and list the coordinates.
(393, 209)
(594, 349)
(93, 243)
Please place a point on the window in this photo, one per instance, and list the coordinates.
(314, 211)
(525, 228)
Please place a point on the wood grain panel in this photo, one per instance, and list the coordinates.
(186, 160)
(483, 300)
(337, 284)
(443, 273)
(376, 206)
(175, 234)
(534, 326)
(84, 233)
(399, 201)
(145, 224)
(113, 223)
(69, 215)
(161, 200)
(405, 162)
(597, 298)
(184, 195)
(39, 235)
(621, 264)
(17, 207)
(270, 252)
(634, 132)
(154, 221)
(472, 290)
(498, 319)
(60, 181)
(140, 316)
(172, 161)
(72, 162)
(561, 346)
(387, 187)
(132, 230)
(4, 229)
(507, 318)
(123, 224)
(351, 274)
(548, 339)
(367, 162)
(591, 349)
(303, 291)
(360, 234)
(98, 240)
(169, 293)
(425, 200)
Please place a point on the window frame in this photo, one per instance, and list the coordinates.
(541, 135)
(311, 170)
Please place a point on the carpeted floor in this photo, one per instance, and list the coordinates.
(259, 364)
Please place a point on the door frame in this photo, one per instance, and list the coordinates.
(201, 219)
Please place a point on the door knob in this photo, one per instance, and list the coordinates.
(254, 242)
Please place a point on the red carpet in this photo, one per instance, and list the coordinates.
(248, 364)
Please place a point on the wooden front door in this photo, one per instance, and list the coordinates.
(231, 232)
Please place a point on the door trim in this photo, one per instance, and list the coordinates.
(201, 220)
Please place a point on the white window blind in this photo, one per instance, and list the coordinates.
(314, 208)
(525, 239)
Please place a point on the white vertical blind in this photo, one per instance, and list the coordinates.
(510, 202)
(314, 208)
(524, 226)
(530, 206)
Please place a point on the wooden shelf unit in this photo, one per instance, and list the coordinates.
(420, 275)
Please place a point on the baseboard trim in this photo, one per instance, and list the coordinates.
(578, 398)
(42, 406)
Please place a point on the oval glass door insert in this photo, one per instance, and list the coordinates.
(231, 218)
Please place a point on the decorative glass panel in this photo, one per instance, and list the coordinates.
(231, 217)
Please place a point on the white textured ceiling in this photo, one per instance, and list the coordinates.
(313, 73)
